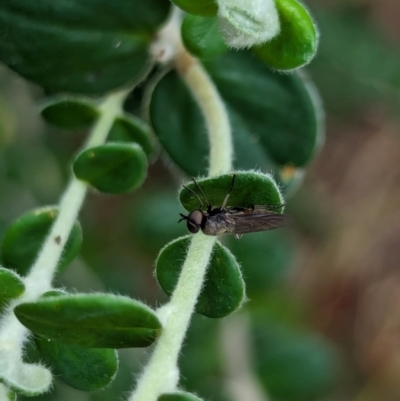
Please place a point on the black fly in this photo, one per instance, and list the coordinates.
(231, 220)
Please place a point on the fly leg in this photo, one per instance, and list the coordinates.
(228, 194)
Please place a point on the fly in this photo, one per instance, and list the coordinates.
(231, 220)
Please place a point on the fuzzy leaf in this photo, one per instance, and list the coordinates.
(112, 168)
(24, 239)
(88, 47)
(201, 36)
(86, 369)
(275, 118)
(297, 42)
(91, 320)
(128, 128)
(250, 188)
(69, 113)
(11, 286)
(223, 291)
(198, 7)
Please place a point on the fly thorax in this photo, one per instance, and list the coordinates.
(215, 225)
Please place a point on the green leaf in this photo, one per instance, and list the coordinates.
(86, 369)
(69, 113)
(297, 42)
(292, 365)
(112, 168)
(91, 320)
(265, 258)
(201, 36)
(85, 47)
(11, 286)
(250, 188)
(128, 128)
(198, 7)
(275, 118)
(26, 235)
(178, 396)
(53, 293)
(223, 291)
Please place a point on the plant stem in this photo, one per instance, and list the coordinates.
(214, 112)
(12, 333)
(45, 265)
(161, 375)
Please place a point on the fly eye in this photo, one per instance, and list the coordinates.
(192, 227)
(194, 221)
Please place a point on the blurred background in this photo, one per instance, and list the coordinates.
(323, 317)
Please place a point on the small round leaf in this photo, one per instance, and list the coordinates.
(178, 396)
(113, 168)
(86, 369)
(91, 320)
(223, 291)
(11, 286)
(53, 293)
(250, 188)
(26, 235)
(129, 128)
(69, 113)
(201, 36)
(297, 42)
(198, 7)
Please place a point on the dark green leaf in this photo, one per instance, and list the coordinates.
(86, 369)
(69, 113)
(53, 293)
(179, 396)
(223, 291)
(128, 128)
(11, 286)
(250, 188)
(265, 258)
(201, 36)
(294, 366)
(26, 235)
(274, 117)
(198, 7)
(297, 42)
(92, 320)
(113, 168)
(89, 47)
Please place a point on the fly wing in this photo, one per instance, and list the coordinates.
(244, 223)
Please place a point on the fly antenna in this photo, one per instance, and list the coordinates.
(183, 217)
(228, 194)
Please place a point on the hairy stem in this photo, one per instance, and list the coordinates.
(161, 375)
(12, 333)
(44, 268)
